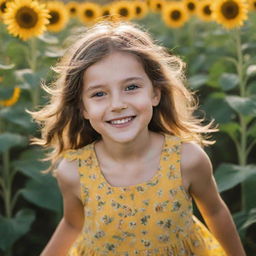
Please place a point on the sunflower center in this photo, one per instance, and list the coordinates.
(89, 13)
(175, 15)
(106, 13)
(72, 10)
(230, 10)
(191, 6)
(2, 7)
(26, 17)
(207, 10)
(159, 6)
(138, 10)
(123, 12)
(55, 17)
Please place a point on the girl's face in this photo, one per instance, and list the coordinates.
(118, 97)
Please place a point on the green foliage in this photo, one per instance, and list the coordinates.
(221, 67)
(14, 228)
(230, 175)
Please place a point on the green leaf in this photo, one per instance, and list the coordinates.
(44, 193)
(251, 219)
(251, 89)
(5, 67)
(17, 116)
(198, 64)
(239, 219)
(30, 165)
(197, 81)
(215, 72)
(229, 175)
(251, 70)
(29, 78)
(249, 193)
(54, 52)
(10, 140)
(6, 93)
(217, 107)
(242, 105)
(41, 189)
(228, 81)
(252, 130)
(49, 39)
(12, 229)
(232, 129)
(16, 50)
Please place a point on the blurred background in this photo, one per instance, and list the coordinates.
(215, 38)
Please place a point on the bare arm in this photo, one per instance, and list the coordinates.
(71, 224)
(197, 170)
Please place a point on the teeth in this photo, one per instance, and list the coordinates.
(121, 121)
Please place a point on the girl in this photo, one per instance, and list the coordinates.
(121, 123)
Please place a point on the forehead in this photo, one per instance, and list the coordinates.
(115, 67)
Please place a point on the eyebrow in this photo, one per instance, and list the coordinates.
(97, 86)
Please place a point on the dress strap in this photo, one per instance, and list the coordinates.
(86, 169)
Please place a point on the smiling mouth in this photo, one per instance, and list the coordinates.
(121, 120)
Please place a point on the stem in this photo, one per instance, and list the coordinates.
(240, 64)
(33, 65)
(1, 124)
(243, 152)
(7, 184)
(33, 54)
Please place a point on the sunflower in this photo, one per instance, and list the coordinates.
(59, 16)
(14, 98)
(123, 9)
(174, 14)
(156, 5)
(72, 8)
(105, 13)
(204, 11)
(88, 12)
(141, 9)
(191, 6)
(25, 18)
(230, 13)
(2, 6)
(252, 5)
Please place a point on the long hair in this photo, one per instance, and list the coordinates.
(62, 123)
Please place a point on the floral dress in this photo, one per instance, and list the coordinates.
(151, 218)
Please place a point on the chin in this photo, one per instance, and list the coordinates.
(122, 138)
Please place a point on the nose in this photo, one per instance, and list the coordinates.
(117, 103)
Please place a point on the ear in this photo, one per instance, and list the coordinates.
(85, 114)
(156, 97)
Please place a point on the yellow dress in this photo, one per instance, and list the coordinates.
(153, 218)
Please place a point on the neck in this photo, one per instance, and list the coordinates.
(132, 150)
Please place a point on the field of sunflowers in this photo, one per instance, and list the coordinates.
(215, 38)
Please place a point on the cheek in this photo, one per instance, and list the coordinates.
(93, 111)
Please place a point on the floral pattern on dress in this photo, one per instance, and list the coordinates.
(152, 218)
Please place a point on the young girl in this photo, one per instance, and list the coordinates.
(121, 126)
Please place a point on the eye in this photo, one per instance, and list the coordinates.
(98, 94)
(131, 87)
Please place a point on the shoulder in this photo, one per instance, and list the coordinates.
(195, 164)
(193, 155)
(67, 175)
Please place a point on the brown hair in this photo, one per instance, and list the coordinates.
(62, 121)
